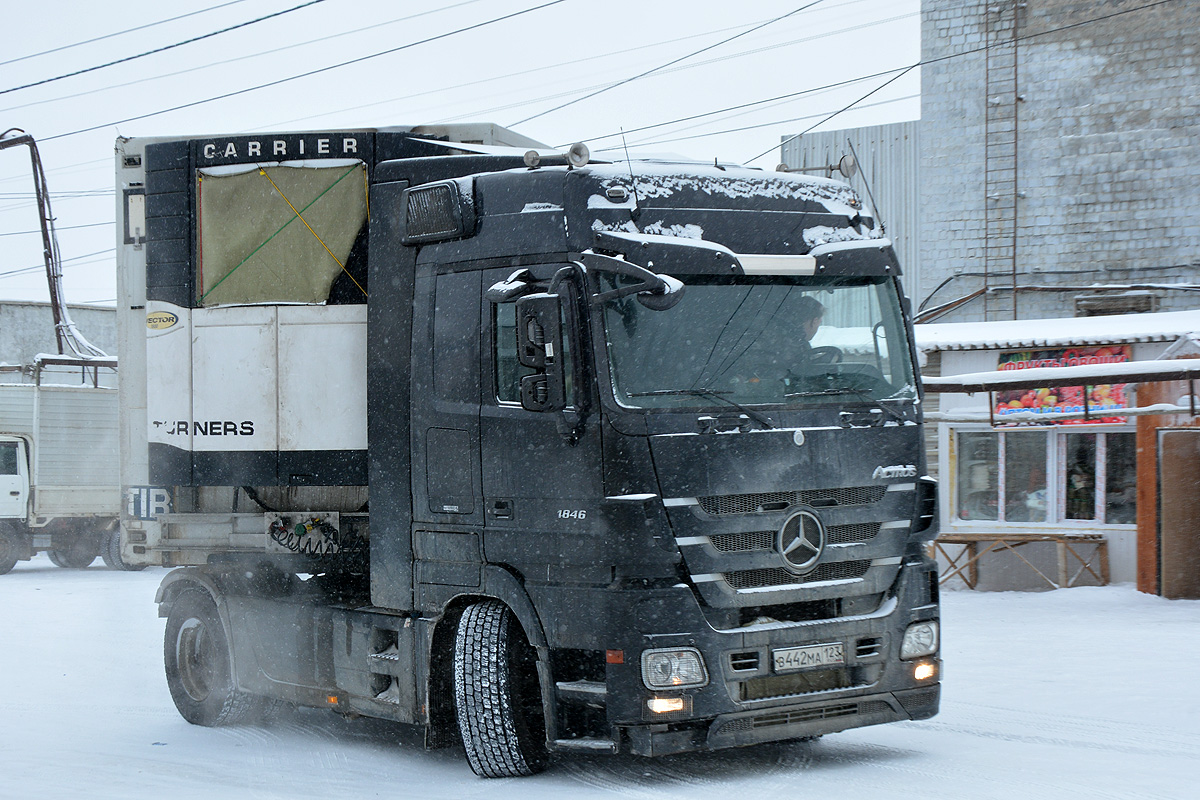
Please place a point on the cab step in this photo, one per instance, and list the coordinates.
(586, 745)
(588, 693)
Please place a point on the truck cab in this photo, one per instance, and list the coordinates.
(14, 478)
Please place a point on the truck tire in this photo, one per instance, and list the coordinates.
(10, 549)
(199, 666)
(79, 552)
(111, 553)
(496, 694)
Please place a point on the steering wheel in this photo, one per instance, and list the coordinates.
(826, 354)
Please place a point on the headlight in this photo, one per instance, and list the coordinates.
(920, 639)
(673, 669)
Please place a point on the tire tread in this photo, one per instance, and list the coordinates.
(483, 691)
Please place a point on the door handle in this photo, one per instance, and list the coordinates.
(15, 494)
(500, 509)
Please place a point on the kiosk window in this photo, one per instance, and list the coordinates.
(1049, 476)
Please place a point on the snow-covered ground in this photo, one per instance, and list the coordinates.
(1087, 693)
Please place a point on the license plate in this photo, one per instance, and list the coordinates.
(813, 655)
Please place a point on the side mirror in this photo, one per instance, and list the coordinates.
(665, 297)
(539, 346)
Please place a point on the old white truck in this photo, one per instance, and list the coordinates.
(59, 462)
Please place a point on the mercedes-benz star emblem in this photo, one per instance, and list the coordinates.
(800, 541)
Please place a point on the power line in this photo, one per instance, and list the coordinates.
(950, 56)
(511, 75)
(310, 73)
(60, 227)
(236, 58)
(875, 74)
(668, 64)
(880, 87)
(824, 115)
(664, 71)
(25, 270)
(741, 106)
(119, 33)
(162, 49)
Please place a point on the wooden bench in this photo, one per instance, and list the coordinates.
(964, 563)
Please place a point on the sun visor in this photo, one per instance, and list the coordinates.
(683, 255)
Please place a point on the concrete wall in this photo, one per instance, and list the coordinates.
(1105, 141)
(27, 329)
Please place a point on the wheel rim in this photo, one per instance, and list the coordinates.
(196, 658)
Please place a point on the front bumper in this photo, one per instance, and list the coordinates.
(746, 700)
(780, 723)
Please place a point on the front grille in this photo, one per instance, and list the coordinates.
(868, 647)
(743, 542)
(794, 683)
(743, 662)
(913, 700)
(765, 540)
(758, 578)
(874, 707)
(853, 534)
(723, 505)
(803, 715)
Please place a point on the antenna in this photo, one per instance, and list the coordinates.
(637, 209)
(870, 194)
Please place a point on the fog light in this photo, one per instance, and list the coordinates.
(920, 639)
(666, 705)
(679, 668)
(924, 671)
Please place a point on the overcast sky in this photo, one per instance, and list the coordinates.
(512, 62)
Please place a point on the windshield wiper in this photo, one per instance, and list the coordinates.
(862, 395)
(714, 394)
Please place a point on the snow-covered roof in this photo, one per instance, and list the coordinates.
(1166, 326)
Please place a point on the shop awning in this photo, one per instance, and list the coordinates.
(1184, 369)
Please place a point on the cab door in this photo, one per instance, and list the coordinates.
(14, 478)
(542, 479)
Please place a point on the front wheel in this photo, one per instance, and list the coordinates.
(78, 553)
(199, 665)
(10, 549)
(496, 694)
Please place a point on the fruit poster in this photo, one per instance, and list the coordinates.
(1064, 399)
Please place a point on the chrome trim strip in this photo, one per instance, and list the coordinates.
(671, 502)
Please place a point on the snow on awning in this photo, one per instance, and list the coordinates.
(1166, 326)
(1082, 375)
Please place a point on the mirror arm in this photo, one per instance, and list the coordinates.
(601, 263)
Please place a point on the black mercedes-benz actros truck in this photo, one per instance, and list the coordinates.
(442, 426)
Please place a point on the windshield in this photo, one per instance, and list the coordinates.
(758, 341)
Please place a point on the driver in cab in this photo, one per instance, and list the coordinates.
(809, 313)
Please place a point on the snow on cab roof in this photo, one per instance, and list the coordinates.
(1165, 326)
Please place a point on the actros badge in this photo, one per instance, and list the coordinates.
(801, 541)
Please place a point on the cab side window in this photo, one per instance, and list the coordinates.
(509, 369)
(8, 458)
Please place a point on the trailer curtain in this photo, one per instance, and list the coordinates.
(281, 233)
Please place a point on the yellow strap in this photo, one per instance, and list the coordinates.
(263, 172)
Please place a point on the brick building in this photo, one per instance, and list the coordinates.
(1059, 148)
